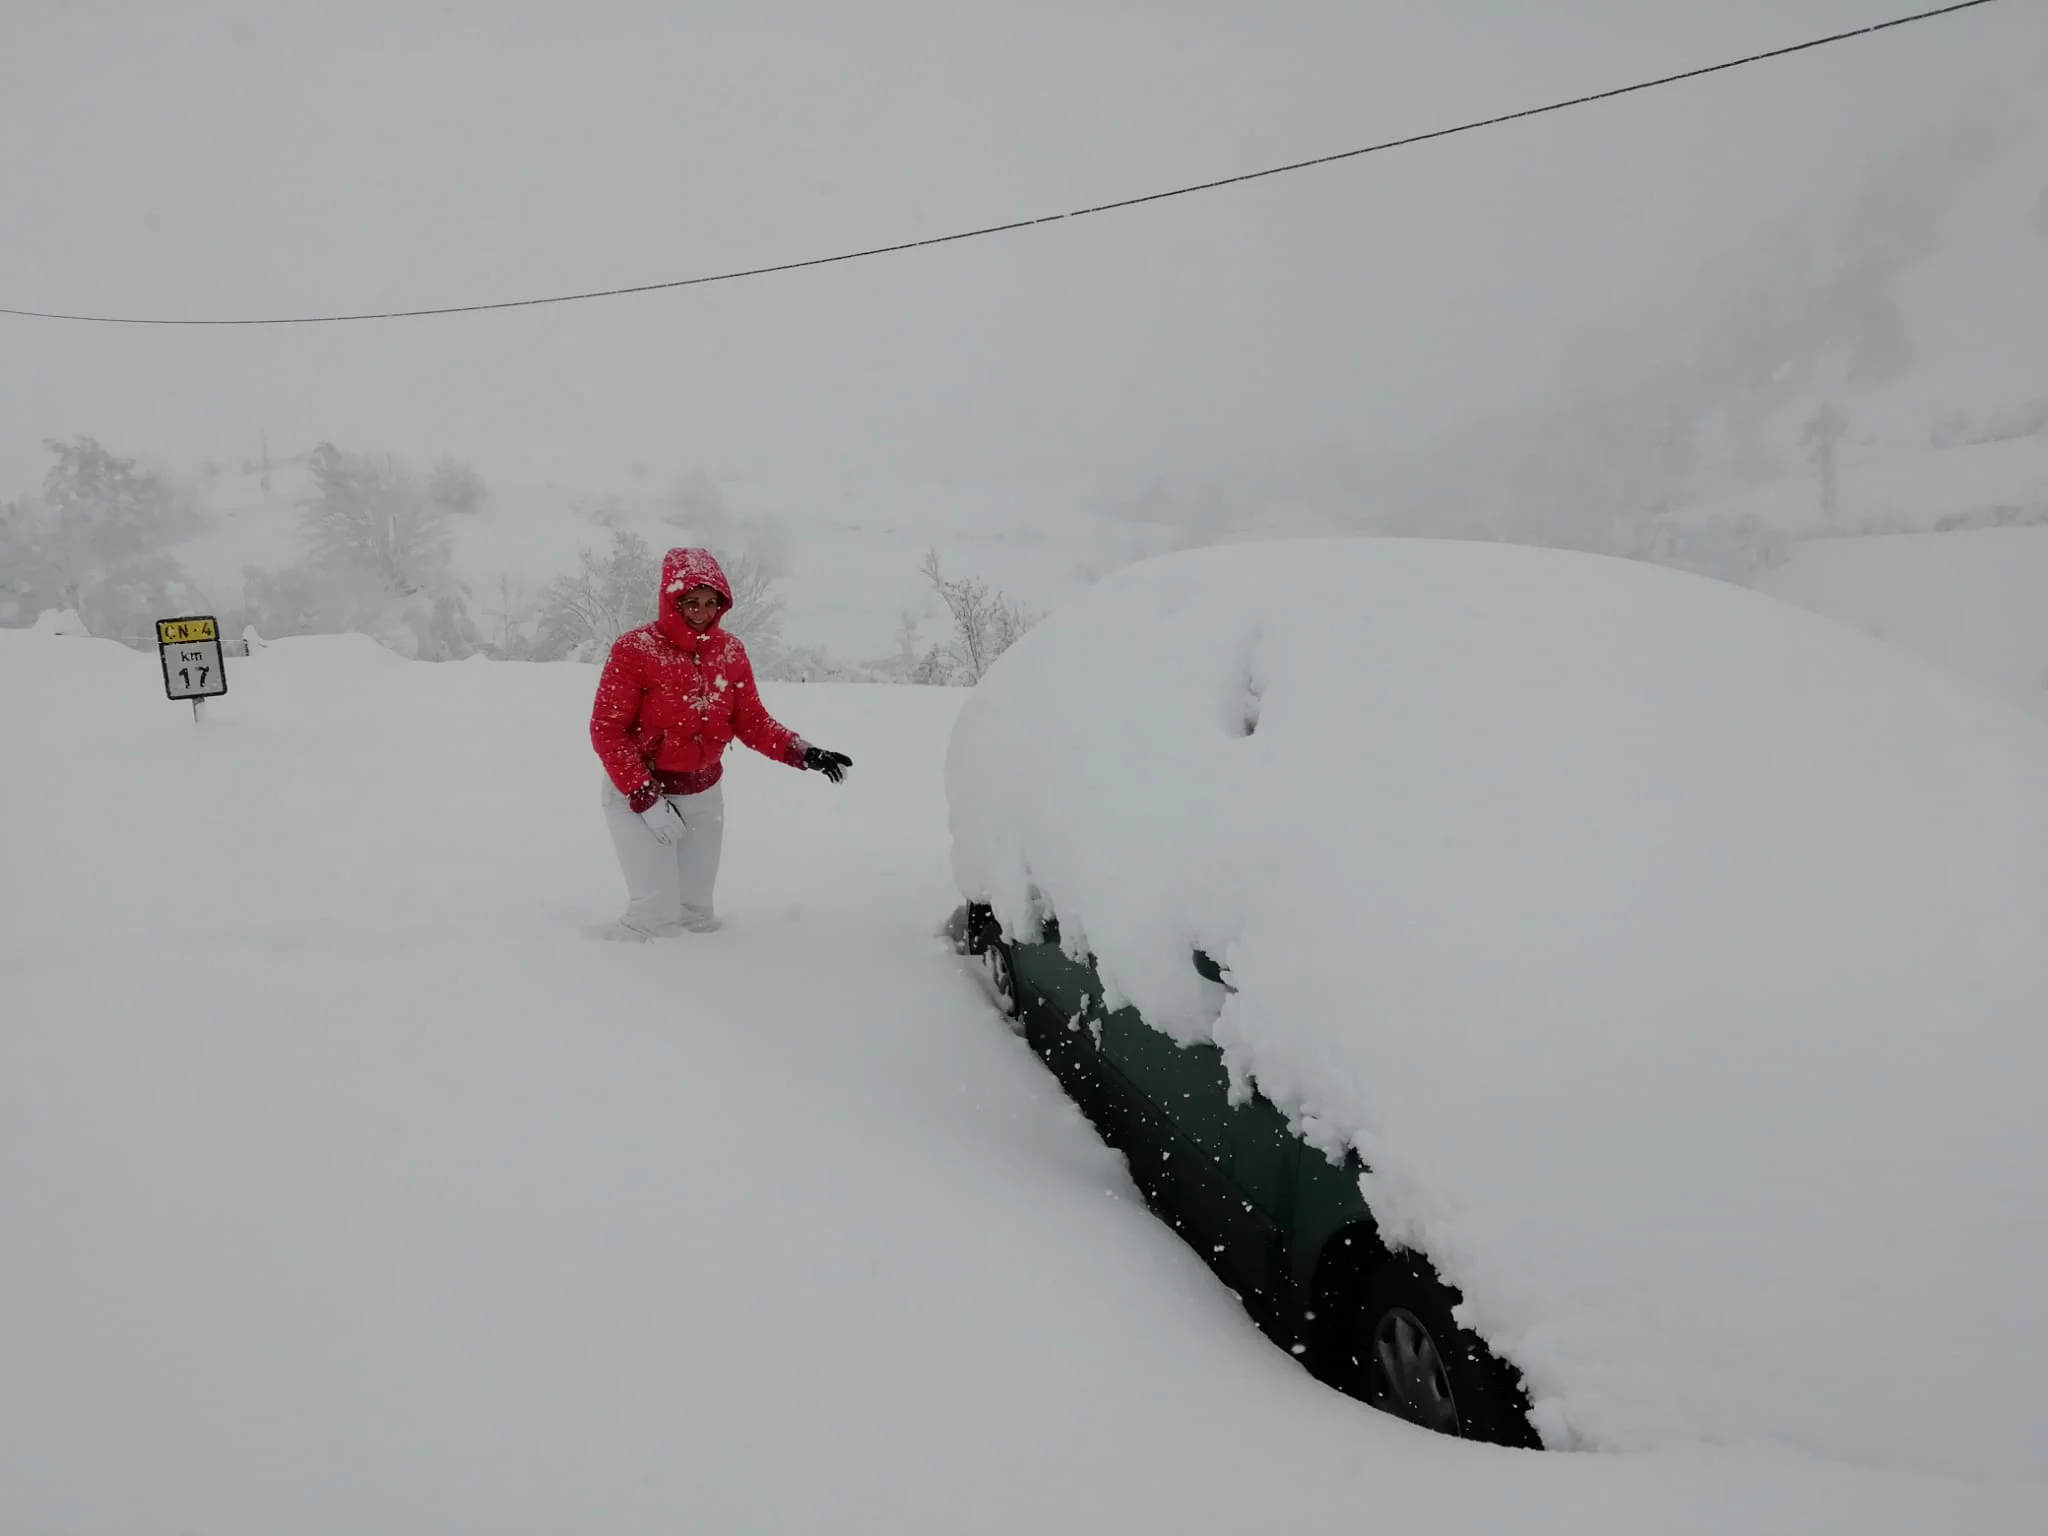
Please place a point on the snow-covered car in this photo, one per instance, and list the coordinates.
(1572, 1002)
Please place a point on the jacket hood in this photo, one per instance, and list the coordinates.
(682, 569)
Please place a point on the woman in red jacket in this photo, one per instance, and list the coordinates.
(673, 694)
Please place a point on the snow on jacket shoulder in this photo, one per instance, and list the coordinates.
(671, 699)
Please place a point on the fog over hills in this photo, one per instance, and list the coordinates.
(1802, 300)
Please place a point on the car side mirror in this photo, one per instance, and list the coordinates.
(1207, 968)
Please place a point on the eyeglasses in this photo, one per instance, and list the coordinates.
(698, 602)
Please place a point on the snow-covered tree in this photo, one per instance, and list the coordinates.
(28, 579)
(756, 612)
(97, 541)
(377, 561)
(580, 614)
(606, 595)
(370, 518)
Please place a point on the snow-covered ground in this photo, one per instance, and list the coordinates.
(345, 1187)
(1672, 958)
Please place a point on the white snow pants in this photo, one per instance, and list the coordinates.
(668, 888)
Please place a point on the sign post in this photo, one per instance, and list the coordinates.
(190, 651)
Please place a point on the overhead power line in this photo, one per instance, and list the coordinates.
(1031, 223)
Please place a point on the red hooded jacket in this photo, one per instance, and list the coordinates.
(671, 698)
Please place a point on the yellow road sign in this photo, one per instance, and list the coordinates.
(185, 631)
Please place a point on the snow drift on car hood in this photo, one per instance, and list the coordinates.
(1676, 960)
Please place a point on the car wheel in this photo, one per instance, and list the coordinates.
(1405, 1355)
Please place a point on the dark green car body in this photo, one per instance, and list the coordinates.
(1287, 1229)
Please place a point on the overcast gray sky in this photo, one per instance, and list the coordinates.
(198, 159)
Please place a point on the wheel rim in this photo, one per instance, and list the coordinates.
(1408, 1375)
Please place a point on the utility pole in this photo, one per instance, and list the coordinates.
(1824, 431)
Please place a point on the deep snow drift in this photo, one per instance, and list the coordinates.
(1673, 958)
(344, 1187)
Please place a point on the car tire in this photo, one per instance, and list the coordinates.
(1401, 1351)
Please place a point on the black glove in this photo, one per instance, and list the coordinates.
(831, 764)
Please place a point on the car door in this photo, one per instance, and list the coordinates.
(1187, 1090)
(1065, 1025)
(1265, 1162)
(1164, 1106)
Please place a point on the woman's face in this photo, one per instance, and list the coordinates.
(700, 606)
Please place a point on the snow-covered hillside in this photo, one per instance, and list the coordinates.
(1909, 343)
(1942, 447)
(1975, 602)
(1889, 490)
(845, 555)
(1973, 306)
(345, 1187)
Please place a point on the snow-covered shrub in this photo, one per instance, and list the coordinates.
(986, 623)
(456, 487)
(916, 660)
(2028, 515)
(509, 619)
(291, 600)
(811, 664)
(53, 621)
